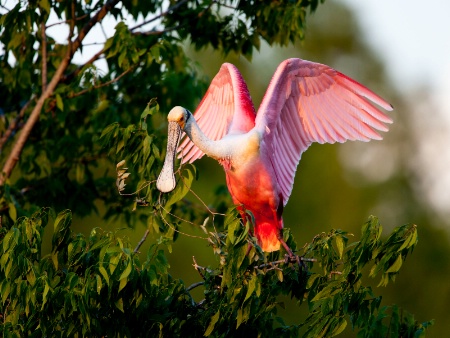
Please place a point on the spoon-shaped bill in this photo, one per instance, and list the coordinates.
(166, 181)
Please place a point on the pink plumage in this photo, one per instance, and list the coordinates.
(305, 102)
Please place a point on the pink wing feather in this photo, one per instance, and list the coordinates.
(226, 108)
(309, 102)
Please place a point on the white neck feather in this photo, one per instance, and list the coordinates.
(215, 149)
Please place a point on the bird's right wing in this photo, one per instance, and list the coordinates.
(226, 108)
(309, 102)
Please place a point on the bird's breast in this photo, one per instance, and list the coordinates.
(242, 151)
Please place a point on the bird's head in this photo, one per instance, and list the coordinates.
(179, 115)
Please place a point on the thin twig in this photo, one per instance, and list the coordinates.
(224, 5)
(67, 21)
(136, 249)
(144, 185)
(5, 8)
(84, 91)
(181, 219)
(94, 44)
(176, 230)
(194, 285)
(154, 32)
(196, 196)
(169, 10)
(335, 273)
(198, 267)
(281, 261)
(103, 31)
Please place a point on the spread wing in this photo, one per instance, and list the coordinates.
(309, 102)
(226, 108)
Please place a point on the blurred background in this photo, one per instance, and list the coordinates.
(401, 50)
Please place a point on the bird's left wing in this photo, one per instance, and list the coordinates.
(226, 108)
(309, 102)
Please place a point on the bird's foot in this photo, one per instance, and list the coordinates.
(300, 260)
(290, 257)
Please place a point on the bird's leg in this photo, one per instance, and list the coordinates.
(290, 256)
(249, 247)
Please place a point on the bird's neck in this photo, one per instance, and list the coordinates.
(215, 149)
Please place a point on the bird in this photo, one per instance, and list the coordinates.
(305, 102)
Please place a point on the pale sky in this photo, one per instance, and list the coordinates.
(411, 36)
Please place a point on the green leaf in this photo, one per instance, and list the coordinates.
(59, 102)
(45, 5)
(6, 289)
(231, 230)
(102, 270)
(280, 275)
(99, 283)
(239, 317)
(7, 239)
(155, 52)
(340, 245)
(109, 129)
(12, 211)
(124, 276)
(396, 266)
(340, 327)
(311, 280)
(126, 272)
(113, 262)
(251, 287)
(44, 294)
(329, 290)
(61, 227)
(55, 260)
(212, 323)
(123, 282)
(182, 188)
(119, 304)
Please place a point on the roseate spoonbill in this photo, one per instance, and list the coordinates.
(305, 102)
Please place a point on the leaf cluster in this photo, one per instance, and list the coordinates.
(97, 285)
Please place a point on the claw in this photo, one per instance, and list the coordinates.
(290, 257)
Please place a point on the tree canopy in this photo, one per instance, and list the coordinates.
(82, 139)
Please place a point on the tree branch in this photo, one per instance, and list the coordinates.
(67, 21)
(193, 286)
(170, 9)
(16, 151)
(136, 249)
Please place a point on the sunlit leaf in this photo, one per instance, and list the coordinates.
(212, 323)
(396, 265)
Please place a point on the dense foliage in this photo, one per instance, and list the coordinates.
(67, 125)
(99, 286)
